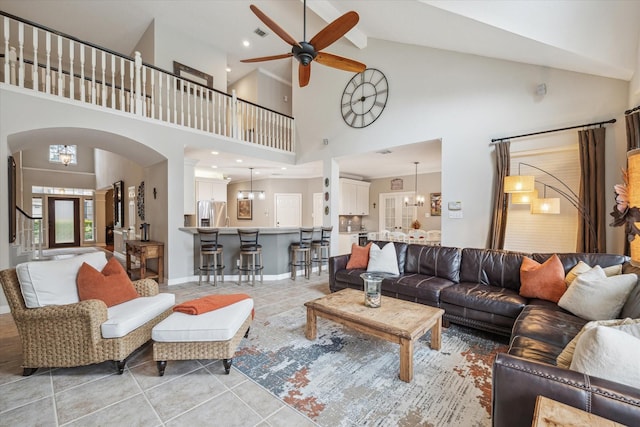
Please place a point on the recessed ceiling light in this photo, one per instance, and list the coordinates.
(214, 167)
(256, 172)
(283, 168)
(228, 69)
(228, 178)
(238, 160)
(215, 153)
(246, 43)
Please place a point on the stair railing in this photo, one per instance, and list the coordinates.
(29, 233)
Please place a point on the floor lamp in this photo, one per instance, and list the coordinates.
(524, 184)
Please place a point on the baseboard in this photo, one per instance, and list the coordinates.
(235, 278)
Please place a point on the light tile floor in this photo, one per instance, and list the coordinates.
(194, 392)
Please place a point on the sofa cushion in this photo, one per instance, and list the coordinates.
(54, 282)
(627, 325)
(569, 260)
(491, 299)
(111, 285)
(548, 323)
(610, 354)
(128, 316)
(383, 260)
(491, 267)
(440, 261)
(583, 267)
(533, 349)
(593, 296)
(631, 308)
(351, 277)
(543, 281)
(359, 257)
(419, 287)
(217, 325)
(401, 252)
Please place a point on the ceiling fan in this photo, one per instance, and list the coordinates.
(307, 51)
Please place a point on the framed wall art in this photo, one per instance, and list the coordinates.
(245, 209)
(436, 204)
(192, 75)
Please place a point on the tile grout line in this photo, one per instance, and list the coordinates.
(146, 398)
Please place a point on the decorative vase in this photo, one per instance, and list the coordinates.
(372, 289)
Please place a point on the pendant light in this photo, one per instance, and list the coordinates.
(251, 195)
(418, 200)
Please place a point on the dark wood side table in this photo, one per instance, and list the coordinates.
(145, 251)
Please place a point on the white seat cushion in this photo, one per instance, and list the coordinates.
(217, 325)
(124, 318)
(54, 282)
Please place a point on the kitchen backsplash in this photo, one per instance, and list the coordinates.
(354, 221)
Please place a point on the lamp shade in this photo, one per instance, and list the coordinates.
(519, 183)
(549, 205)
(633, 188)
(524, 198)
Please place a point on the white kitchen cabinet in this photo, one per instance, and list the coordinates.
(211, 189)
(354, 197)
(345, 241)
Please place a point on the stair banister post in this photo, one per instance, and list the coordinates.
(7, 75)
(138, 96)
(234, 114)
(13, 58)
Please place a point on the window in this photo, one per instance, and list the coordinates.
(528, 232)
(36, 212)
(88, 225)
(55, 150)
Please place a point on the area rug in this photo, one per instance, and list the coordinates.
(346, 378)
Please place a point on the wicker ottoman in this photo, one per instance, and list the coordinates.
(212, 335)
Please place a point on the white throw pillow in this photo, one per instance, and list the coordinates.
(583, 267)
(383, 260)
(610, 354)
(594, 296)
(54, 282)
(628, 325)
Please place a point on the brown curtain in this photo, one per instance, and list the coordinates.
(500, 199)
(632, 122)
(592, 191)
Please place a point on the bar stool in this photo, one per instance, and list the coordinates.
(250, 249)
(211, 257)
(322, 248)
(302, 247)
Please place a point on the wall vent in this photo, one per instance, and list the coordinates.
(260, 32)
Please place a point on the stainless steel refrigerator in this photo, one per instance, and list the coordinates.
(212, 214)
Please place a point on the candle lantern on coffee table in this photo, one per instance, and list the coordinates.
(372, 289)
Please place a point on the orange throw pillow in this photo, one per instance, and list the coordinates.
(112, 285)
(543, 281)
(359, 256)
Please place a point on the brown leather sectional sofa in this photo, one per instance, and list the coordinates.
(480, 288)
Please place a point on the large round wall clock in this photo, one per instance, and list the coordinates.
(364, 98)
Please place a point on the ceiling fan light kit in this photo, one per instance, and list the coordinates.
(308, 51)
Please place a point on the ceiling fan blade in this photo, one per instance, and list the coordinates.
(304, 74)
(335, 30)
(273, 26)
(268, 58)
(340, 62)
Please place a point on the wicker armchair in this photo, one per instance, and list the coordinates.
(69, 335)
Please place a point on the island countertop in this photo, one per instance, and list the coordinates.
(234, 230)
(275, 243)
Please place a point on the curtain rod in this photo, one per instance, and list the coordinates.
(493, 141)
(632, 110)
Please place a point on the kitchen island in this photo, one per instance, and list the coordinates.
(275, 243)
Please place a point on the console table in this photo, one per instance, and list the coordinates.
(145, 251)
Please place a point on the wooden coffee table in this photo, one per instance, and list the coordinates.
(397, 321)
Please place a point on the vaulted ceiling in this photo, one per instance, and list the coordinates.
(588, 36)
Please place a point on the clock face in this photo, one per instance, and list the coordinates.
(364, 98)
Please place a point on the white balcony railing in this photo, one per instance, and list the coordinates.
(42, 60)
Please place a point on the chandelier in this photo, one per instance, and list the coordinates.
(418, 200)
(251, 195)
(65, 156)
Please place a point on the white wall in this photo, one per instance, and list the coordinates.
(173, 44)
(465, 100)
